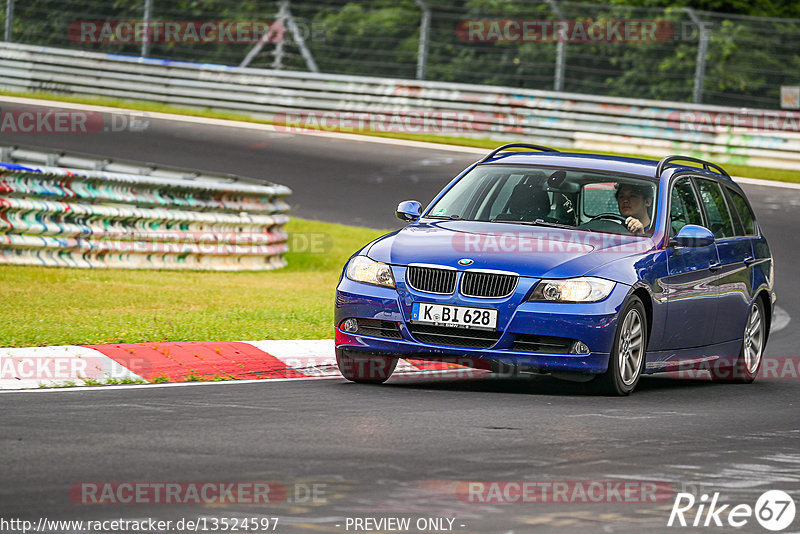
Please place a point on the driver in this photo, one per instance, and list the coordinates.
(634, 204)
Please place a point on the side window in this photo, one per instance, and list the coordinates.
(684, 208)
(745, 214)
(719, 219)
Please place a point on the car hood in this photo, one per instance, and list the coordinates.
(533, 251)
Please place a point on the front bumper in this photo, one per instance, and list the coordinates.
(592, 323)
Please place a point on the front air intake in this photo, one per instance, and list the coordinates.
(488, 285)
(431, 279)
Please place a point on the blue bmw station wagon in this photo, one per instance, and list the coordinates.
(586, 267)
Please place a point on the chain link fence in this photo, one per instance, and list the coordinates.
(613, 50)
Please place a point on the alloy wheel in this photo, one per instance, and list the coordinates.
(631, 347)
(753, 339)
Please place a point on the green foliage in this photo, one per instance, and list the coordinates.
(748, 59)
(62, 306)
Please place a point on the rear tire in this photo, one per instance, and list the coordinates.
(627, 357)
(747, 365)
(364, 368)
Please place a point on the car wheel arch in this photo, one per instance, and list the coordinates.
(647, 302)
(763, 294)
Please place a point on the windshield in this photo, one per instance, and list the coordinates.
(550, 197)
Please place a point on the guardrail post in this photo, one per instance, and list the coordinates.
(9, 19)
(284, 20)
(277, 62)
(561, 51)
(424, 30)
(301, 43)
(702, 50)
(273, 29)
(148, 10)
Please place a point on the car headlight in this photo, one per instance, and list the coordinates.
(584, 289)
(363, 269)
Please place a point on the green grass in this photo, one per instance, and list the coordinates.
(733, 169)
(54, 306)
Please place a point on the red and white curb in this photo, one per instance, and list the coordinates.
(184, 363)
(180, 362)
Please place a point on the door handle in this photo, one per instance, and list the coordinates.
(713, 266)
(749, 260)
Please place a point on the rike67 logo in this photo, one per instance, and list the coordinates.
(774, 510)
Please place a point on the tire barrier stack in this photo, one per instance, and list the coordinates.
(93, 215)
(579, 121)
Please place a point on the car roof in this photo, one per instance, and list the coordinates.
(645, 168)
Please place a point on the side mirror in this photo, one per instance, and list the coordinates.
(693, 235)
(408, 211)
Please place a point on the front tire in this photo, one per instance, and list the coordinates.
(365, 368)
(628, 353)
(746, 368)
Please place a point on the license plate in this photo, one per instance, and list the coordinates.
(455, 316)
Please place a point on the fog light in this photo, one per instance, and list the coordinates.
(350, 325)
(579, 348)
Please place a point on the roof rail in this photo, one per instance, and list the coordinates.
(494, 152)
(664, 163)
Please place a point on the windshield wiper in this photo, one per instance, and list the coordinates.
(542, 222)
(453, 217)
(528, 223)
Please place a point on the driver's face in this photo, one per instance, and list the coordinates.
(631, 203)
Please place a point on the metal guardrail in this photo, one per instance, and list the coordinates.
(60, 209)
(573, 121)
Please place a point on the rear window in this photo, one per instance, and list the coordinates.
(744, 211)
(719, 219)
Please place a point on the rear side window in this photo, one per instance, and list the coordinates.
(744, 211)
(719, 219)
(684, 208)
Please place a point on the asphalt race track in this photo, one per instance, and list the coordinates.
(398, 450)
